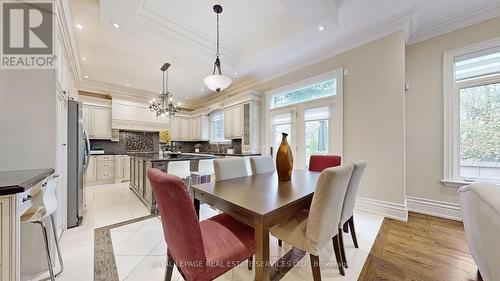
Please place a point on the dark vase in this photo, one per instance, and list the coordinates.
(284, 160)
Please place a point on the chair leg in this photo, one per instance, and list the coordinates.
(316, 270)
(342, 248)
(280, 243)
(250, 263)
(47, 250)
(346, 227)
(338, 256)
(169, 268)
(353, 232)
(59, 256)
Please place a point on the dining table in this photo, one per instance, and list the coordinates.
(260, 201)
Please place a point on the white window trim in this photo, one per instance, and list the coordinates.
(338, 115)
(451, 109)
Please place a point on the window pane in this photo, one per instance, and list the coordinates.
(277, 131)
(320, 113)
(485, 62)
(480, 132)
(312, 92)
(316, 138)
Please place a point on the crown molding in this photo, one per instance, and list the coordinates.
(458, 22)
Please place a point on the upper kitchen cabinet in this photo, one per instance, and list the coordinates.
(200, 128)
(233, 122)
(187, 128)
(135, 115)
(96, 117)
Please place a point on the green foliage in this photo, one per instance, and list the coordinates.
(480, 123)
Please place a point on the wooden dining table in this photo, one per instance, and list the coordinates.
(260, 201)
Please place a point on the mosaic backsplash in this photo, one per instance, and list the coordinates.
(129, 141)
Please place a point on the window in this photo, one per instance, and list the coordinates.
(316, 131)
(308, 93)
(472, 114)
(217, 126)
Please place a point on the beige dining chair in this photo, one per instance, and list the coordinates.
(347, 217)
(262, 164)
(230, 168)
(311, 230)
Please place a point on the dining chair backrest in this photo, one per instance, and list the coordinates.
(49, 196)
(182, 169)
(230, 168)
(206, 167)
(352, 191)
(326, 206)
(262, 164)
(179, 220)
(317, 163)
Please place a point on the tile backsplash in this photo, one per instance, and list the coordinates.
(129, 141)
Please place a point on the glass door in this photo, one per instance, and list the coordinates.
(316, 132)
(283, 121)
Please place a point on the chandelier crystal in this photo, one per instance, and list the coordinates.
(165, 105)
(217, 81)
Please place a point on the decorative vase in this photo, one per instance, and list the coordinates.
(284, 160)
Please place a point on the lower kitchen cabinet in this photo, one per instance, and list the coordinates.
(106, 169)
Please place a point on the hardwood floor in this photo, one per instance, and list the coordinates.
(424, 248)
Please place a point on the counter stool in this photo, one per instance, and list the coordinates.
(40, 210)
(182, 169)
(205, 169)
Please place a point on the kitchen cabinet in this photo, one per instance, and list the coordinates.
(91, 174)
(189, 128)
(136, 116)
(122, 168)
(8, 237)
(233, 122)
(97, 121)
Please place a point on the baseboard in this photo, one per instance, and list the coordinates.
(384, 208)
(434, 208)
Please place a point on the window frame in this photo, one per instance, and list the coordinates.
(451, 103)
(211, 137)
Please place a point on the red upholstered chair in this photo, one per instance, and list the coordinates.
(201, 250)
(317, 163)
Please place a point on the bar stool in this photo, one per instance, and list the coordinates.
(40, 210)
(205, 169)
(182, 169)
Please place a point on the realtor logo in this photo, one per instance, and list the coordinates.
(27, 35)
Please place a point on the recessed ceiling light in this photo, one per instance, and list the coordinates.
(179, 104)
(79, 26)
(128, 85)
(236, 74)
(321, 28)
(186, 98)
(86, 76)
(84, 58)
(115, 24)
(202, 89)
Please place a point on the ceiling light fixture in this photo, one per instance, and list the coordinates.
(79, 26)
(128, 85)
(321, 28)
(84, 58)
(115, 25)
(236, 74)
(217, 81)
(165, 106)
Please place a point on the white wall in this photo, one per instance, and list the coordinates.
(424, 111)
(373, 115)
(27, 119)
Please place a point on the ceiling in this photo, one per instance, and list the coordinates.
(259, 38)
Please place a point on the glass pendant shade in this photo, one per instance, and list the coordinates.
(217, 82)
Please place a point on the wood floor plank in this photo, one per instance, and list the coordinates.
(424, 248)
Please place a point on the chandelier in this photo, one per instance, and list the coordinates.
(165, 105)
(217, 81)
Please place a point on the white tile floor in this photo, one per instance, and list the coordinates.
(140, 248)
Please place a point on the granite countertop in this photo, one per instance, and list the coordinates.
(156, 157)
(228, 154)
(12, 182)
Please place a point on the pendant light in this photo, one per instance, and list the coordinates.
(217, 81)
(165, 106)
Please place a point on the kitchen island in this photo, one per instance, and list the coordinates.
(141, 162)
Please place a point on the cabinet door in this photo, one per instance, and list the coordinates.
(185, 128)
(105, 170)
(196, 128)
(91, 174)
(119, 167)
(132, 171)
(237, 121)
(148, 190)
(87, 119)
(126, 167)
(101, 122)
(228, 123)
(141, 177)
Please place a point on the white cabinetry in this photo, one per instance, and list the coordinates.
(135, 115)
(91, 174)
(183, 128)
(104, 169)
(97, 121)
(122, 168)
(233, 122)
(8, 238)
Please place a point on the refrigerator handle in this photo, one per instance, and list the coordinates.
(87, 152)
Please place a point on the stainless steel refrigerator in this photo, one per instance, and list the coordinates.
(78, 161)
